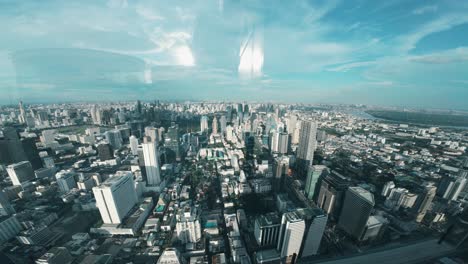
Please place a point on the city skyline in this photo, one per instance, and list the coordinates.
(398, 53)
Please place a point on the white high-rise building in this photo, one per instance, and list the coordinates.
(387, 188)
(291, 234)
(153, 133)
(20, 172)
(229, 133)
(134, 145)
(283, 142)
(204, 124)
(307, 140)
(214, 126)
(66, 180)
(116, 197)
(274, 141)
(152, 166)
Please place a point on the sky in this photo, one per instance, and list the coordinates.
(394, 53)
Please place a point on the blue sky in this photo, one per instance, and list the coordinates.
(398, 53)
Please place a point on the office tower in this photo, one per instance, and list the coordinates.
(239, 108)
(11, 149)
(331, 194)
(400, 197)
(451, 187)
(291, 235)
(105, 151)
(283, 143)
(22, 116)
(222, 123)
(66, 180)
(48, 136)
(55, 255)
(280, 169)
(115, 197)
(274, 136)
(387, 188)
(315, 223)
(5, 206)
(424, 201)
(267, 229)
(114, 138)
(374, 228)
(138, 107)
(172, 144)
(31, 152)
(20, 172)
(457, 232)
(134, 145)
(229, 133)
(153, 133)
(307, 145)
(9, 228)
(214, 126)
(204, 124)
(188, 226)
(152, 166)
(313, 176)
(357, 207)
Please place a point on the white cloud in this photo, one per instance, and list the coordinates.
(425, 9)
(352, 65)
(448, 56)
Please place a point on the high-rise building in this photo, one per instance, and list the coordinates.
(20, 172)
(451, 187)
(291, 235)
(307, 145)
(66, 180)
(114, 138)
(280, 168)
(331, 194)
(105, 151)
(313, 175)
(11, 149)
(424, 201)
(9, 228)
(274, 141)
(152, 164)
(171, 256)
(387, 188)
(267, 229)
(315, 223)
(214, 126)
(204, 124)
(5, 206)
(222, 123)
(357, 207)
(116, 197)
(134, 145)
(153, 133)
(283, 143)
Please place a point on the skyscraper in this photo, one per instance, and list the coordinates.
(105, 151)
(5, 206)
(115, 197)
(153, 133)
(267, 229)
(315, 223)
(222, 123)
(357, 207)
(152, 166)
(307, 145)
(424, 201)
(114, 138)
(134, 144)
(20, 172)
(214, 126)
(331, 194)
(291, 235)
(204, 124)
(283, 143)
(313, 176)
(11, 149)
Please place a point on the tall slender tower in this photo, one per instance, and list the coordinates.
(215, 126)
(307, 145)
(152, 166)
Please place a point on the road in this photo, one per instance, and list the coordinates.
(410, 254)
